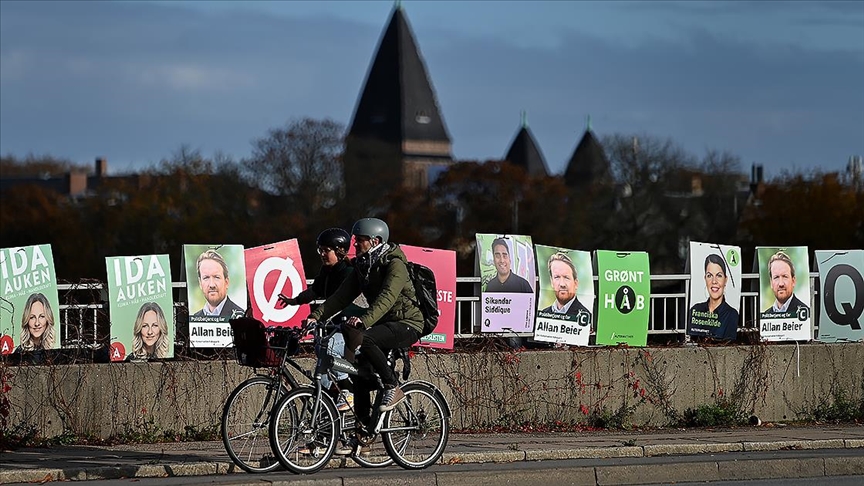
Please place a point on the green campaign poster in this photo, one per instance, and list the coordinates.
(30, 309)
(841, 295)
(624, 297)
(141, 306)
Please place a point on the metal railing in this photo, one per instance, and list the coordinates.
(80, 323)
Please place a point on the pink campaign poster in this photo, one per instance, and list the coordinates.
(271, 269)
(443, 263)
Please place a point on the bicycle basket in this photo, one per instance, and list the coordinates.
(262, 347)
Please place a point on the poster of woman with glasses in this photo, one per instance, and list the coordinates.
(715, 291)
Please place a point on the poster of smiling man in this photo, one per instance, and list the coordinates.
(566, 296)
(784, 294)
(30, 309)
(624, 294)
(715, 291)
(273, 269)
(841, 291)
(505, 264)
(141, 306)
(216, 289)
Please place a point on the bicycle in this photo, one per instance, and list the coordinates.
(247, 411)
(245, 424)
(306, 427)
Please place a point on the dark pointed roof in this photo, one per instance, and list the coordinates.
(588, 163)
(525, 153)
(398, 102)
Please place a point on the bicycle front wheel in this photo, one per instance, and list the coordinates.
(415, 433)
(246, 424)
(302, 440)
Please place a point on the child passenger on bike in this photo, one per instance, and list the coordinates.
(335, 268)
(392, 321)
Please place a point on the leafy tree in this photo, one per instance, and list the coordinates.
(817, 209)
(494, 197)
(37, 166)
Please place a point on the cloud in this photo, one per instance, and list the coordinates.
(138, 79)
(189, 77)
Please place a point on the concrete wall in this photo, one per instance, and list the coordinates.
(648, 386)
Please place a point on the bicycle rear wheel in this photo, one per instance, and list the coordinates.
(304, 444)
(415, 433)
(246, 424)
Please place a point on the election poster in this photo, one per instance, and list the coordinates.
(624, 293)
(443, 264)
(784, 293)
(270, 270)
(141, 305)
(715, 291)
(30, 308)
(841, 291)
(565, 300)
(216, 292)
(505, 264)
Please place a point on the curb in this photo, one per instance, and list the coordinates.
(619, 474)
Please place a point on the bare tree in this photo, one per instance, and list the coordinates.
(300, 161)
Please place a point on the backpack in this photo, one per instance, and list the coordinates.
(426, 294)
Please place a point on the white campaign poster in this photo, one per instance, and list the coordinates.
(216, 290)
(784, 294)
(566, 296)
(507, 275)
(715, 291)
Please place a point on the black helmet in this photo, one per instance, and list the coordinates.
(335, 238)
(373, 228)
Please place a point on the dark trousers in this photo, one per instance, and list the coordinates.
(376, 340)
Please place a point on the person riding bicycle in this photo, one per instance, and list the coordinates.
(335, 268)
(393, 319)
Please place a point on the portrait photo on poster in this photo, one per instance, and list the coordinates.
(715, 291)
(37, 324)
(784, 281)
(150, 334)
(217, 282)
(505, 255)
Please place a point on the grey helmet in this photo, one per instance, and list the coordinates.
(373, 228)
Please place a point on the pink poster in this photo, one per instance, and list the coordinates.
(271, 270)
(443, 263)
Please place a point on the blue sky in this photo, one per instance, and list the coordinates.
(778, 83)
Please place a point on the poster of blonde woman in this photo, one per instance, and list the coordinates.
(566, 296)
(29, 310)
(216, 289)
(141, 307)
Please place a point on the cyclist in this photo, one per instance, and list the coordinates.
(392, 320)
(335, 268)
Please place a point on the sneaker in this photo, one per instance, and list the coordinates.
(344, 448)
(345, 401)
(392, 397)
(361, 445)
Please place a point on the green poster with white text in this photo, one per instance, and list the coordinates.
(624, 297)
(142, 307)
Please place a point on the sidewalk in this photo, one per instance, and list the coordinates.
(210, 458)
